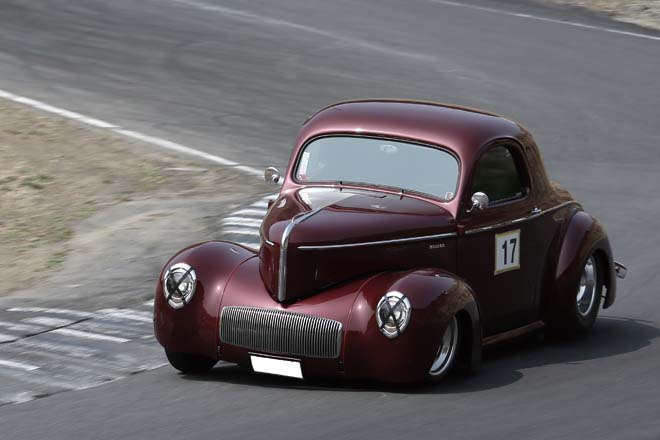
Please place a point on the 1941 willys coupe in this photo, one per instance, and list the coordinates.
(406, 236)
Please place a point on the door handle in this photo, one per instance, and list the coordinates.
(536, 210)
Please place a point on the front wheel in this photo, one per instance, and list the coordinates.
(190, 363)
(447, 353)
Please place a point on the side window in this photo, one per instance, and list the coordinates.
(497, 176)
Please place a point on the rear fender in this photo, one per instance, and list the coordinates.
(194, 327)
(582, 236)
(435, 296)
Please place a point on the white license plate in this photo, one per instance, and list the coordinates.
(279, 367)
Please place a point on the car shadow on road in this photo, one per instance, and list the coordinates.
(505, 364)
(502, 365)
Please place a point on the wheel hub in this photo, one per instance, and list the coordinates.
(586, 295)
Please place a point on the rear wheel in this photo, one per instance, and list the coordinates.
(581, 314)
(587, 299)
(190, 363)
(445, 357)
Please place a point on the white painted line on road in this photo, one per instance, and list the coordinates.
(187, 150)
(88, 335)
(250, 211)
(148, 303)
(241, 221)
(22, 397)
(187, 170)
(263, 202)
(241, 231)
(15, 327)
(48, 321)
(247, 221)
(240, 224)
(69, 350)
(141, 313)
(249, 170)
(260, 204)
(59, 111)
(52, 311)
(251, 17)
(131, 315)
(18, 365)
(546, 19)
(156, 141)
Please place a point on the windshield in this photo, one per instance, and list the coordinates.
(379, 162)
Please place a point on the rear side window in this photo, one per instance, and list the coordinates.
(497, 176)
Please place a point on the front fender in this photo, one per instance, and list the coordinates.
(194, 328)
(435, 296)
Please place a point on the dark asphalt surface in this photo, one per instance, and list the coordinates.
(236, 79)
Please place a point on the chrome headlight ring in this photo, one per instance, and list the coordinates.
(179, 283)
(393, 314)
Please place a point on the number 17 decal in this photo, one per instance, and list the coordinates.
(507, 251)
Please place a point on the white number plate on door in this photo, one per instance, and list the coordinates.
(507, 251)
(279, 367)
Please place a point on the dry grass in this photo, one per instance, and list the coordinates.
(640, 12)
(54, 173)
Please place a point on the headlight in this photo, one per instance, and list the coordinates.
(179, 285)
(393, 314)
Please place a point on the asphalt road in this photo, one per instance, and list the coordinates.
(237, 78)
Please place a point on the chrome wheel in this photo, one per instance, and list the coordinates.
(447, 350)
(587, 291)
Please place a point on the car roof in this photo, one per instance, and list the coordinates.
(461, 129)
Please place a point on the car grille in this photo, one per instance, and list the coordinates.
(277, 331)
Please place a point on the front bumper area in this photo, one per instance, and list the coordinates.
(354, 350)
(310, 367)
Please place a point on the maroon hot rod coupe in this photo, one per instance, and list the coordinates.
(406, 236)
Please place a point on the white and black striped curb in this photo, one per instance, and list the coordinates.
(44, 351)
(242, 226)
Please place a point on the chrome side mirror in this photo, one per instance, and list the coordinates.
(272, 175)
(479, 202)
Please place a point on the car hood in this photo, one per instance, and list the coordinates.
(331, 235)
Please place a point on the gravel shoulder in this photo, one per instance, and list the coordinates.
(85, 212)
(644, 13)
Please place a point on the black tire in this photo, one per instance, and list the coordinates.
(190, 363)
(578, 315)
(444, 362)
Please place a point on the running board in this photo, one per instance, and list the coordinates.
(510, 334)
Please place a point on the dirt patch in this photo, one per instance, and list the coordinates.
(55, 173)
(640, 12)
